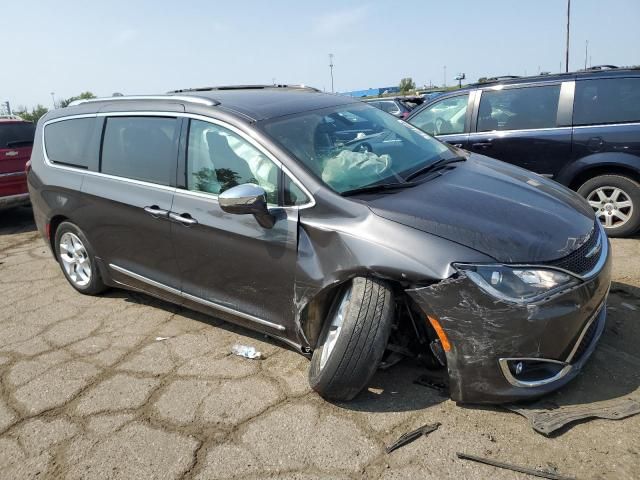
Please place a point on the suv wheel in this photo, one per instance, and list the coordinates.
(353, 339)
(76, 259)
(616, 201)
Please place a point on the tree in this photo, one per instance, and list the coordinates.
(83, 96)
(407, 84)
(34, 115)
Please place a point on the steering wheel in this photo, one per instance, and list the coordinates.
(364, 147)
(439, 123)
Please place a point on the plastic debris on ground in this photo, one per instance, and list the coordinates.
(246, 352)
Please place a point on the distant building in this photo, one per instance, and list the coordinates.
(371, 92)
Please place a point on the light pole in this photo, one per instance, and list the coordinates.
(444, 77)
(566, 61)
(586, 53)
(331, 70)
(53, 98)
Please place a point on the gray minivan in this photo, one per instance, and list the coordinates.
(330, 225)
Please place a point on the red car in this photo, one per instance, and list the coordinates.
(16, 141)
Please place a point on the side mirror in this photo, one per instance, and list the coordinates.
(247, 198)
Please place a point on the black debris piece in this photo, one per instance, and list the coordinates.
(514, 468)
(547, 420)
(427, 381)
(411, 436)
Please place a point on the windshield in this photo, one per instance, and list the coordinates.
(355, 146)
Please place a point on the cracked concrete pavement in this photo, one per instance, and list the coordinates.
(126, 386)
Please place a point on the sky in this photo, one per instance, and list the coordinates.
(145, 46)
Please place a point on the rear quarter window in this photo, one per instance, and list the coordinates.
(67, 141)
(607, 100)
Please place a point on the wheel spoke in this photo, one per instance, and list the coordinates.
(615, 194)
(624, 204)
(620, 215)
(595, 204)
(601, 195)
(608, 220)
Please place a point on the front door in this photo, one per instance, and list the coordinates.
(520, 126)
(446, 119)
(229, 263)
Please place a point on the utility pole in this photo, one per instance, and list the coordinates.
(53, 98)
(586, 53)
(566, 61)
(331, 70)
(444, 77)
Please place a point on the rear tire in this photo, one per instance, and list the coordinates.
(616, 201)
(77, 260)
(353, 339)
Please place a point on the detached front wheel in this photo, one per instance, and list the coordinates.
(353, 339)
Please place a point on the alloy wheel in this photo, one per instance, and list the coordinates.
(75, 259)
(612, 206)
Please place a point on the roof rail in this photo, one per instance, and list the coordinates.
(181, 98)
(600, 67)
(245, 87)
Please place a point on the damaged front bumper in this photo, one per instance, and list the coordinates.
(503, 352)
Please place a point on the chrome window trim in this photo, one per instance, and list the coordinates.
(603, 125)
(496, 132)
(179, 98)
(193, 298)
(204, 118)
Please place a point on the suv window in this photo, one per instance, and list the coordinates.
(67, 142)
(219, 159)
(444, 117)
(141, 148)
(611, 100)
(15, 135)
(388, 106)
(519, 108)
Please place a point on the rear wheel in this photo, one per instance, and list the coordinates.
(616, 201)
(353, 339)
(77, 260)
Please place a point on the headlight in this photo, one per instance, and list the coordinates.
(517, 284)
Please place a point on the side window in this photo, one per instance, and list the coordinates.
(293, 194)
(67, 142)
(218, 159)
(611, 100)
(444, 117)
(389, 107)
(518, 108)
(141, 148)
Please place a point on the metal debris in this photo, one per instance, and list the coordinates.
(411, 436)
(160, 339)
(427, 381)
(514, 468)
(546, 418)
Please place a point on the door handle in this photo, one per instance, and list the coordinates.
(483, 145)
(156, 211)
(457, 145)
(183, 218)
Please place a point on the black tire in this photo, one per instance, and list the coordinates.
(95, 285)
(630, 190)
(361, 341)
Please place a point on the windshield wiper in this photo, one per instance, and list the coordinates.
(438, 164)
(377, 188)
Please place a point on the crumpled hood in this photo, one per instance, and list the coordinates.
(503, 211)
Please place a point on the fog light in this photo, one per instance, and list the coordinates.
(519, 367)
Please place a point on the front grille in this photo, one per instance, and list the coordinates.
(577, 261)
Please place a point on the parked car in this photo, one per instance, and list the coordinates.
(580, 129)
(16, 140)
(261, 207)
(395, 106)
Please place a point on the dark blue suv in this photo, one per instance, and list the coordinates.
(581, 129)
